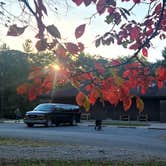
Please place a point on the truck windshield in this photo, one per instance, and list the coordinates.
(44, 107)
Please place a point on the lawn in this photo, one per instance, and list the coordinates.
(126, 123)
(26, 142)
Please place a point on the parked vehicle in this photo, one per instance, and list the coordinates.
(53, 113)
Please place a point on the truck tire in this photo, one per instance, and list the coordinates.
(74, 121)
(30, 124)
(48, 123)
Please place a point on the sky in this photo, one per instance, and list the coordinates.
(67, 20)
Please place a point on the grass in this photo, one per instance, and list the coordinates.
(26, 142)
(125, 124)
(23, 162)
(163, 137)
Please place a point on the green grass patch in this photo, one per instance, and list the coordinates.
(125, 124)
(163, 136)
(26, 142)
(16, 162)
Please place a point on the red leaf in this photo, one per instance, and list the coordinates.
(134, 33)
(37, 80)
(126, 90)
(79, 31)
(149, 31)
(101, 6)
(61, 51)
(92, 98)
(99, 67)
(78, 2)
(14, 30)
(158, 8)
(126, 74)
(22, 89)
(47, 84)
(110, 10)
(145, 52)
(32, 94)
(136, 1)
(72, 48)
(127, 104)
(160, 84)
(41, 45)
(80, 47)
(88, 88)
(143, 90)
(115, 62)
(86, 76)
(80, 98)
(35, 73)
(134, 46)
(148, 22)
(161, 73)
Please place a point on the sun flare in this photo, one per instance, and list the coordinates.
(56, 67)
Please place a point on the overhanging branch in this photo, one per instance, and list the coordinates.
(135, 55)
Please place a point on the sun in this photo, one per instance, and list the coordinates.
(56, 67)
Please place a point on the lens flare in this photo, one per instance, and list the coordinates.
(56, 67)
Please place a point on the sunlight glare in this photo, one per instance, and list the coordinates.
(56, 67)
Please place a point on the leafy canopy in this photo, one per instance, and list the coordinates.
(111, 81)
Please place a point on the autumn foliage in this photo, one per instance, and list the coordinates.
(114, 81)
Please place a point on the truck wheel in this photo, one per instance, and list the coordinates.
(30, 124)
(48, 123)
(74, 121)
(57, 123)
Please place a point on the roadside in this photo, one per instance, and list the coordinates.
(114, 123)
(76, 163)
(81, 143)
(13, 149)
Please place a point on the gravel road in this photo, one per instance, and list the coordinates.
(75, 152)
(83, 142)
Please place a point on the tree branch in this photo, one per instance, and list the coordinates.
(28, 6)
(135, 55)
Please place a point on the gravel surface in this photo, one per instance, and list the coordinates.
(74, 152)
(83, 142)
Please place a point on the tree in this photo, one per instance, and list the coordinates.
(14, 70)
(131, 34)
(13, 64)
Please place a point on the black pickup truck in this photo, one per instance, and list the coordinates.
(53, 113)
